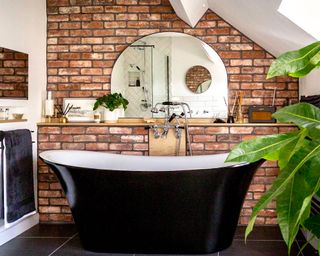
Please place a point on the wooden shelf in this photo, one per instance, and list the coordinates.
(13, 121)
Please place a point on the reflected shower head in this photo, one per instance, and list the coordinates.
(155, 110)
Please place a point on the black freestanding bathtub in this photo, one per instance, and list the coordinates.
(146, 204)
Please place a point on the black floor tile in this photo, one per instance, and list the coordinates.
(73, 248)
(62, 240)
(258, 248)
(50, 230)
(259, 233)
(31, 246)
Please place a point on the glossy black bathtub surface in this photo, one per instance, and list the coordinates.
(186, 211)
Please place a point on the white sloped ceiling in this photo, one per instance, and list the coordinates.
(260, 20)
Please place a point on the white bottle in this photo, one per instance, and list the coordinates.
(49, 105)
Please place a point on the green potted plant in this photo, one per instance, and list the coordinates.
(112, 103)
(297, 153)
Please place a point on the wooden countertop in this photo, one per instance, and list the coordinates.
(142, 122)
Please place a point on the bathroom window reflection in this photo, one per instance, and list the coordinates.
(153, 69)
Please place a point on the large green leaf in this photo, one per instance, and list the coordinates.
(294, 62)
(301, 114)
(289, 205)
(294, 203)
(307, 152)
(253, 150)
(286, 152)
(315, 60)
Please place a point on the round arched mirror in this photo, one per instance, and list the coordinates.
(153, 70)
(198, 79)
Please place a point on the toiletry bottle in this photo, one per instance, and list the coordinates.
(138, 82)
(2, 114)
(6, 114)
(49, 105)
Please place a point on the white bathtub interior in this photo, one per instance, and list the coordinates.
(108, 161)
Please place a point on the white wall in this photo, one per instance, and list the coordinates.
(189, 52)
(23, 28)
(310, 85)
(305, 15)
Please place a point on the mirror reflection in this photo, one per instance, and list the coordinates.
(153, 69)
(198, 79)
(13, 74)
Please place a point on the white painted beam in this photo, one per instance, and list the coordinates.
(190, 11)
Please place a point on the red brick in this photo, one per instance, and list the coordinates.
(204, 138)
(49, 209)
(132, 138)
(241, 130)
(216, 146)
(92, 24)
(73, 130)
(97, 146)
(141, 146)
(197, 146)
(47, 193)
(265, 130)
(84, 138)
(120, 130)
(216, 130)
(61, 138)
(73, 146)
(139, 130)
(196, 130)
(49, 145)
(92, 9)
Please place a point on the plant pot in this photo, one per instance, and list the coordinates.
(120, 112)
(110, 116)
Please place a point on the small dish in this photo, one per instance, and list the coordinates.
(17, 116)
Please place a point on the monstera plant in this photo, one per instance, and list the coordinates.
(297, 153)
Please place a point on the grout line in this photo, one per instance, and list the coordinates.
(259, 240)
(62, 244)
(44, 237)
(299, 247)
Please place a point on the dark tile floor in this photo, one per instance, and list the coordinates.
(62, 240)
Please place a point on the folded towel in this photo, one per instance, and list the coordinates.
(19, 173)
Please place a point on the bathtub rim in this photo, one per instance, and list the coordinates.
(44, 157)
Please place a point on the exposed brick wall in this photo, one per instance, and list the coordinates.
(134, 140)
(13, 74)
(85, 37)
(196, 76)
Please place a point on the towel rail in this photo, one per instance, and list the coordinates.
(32, 143)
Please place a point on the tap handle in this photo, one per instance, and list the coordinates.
(172, 117)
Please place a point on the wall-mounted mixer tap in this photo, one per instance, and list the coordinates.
(166, 107)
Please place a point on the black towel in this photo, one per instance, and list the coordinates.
(19, 170)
